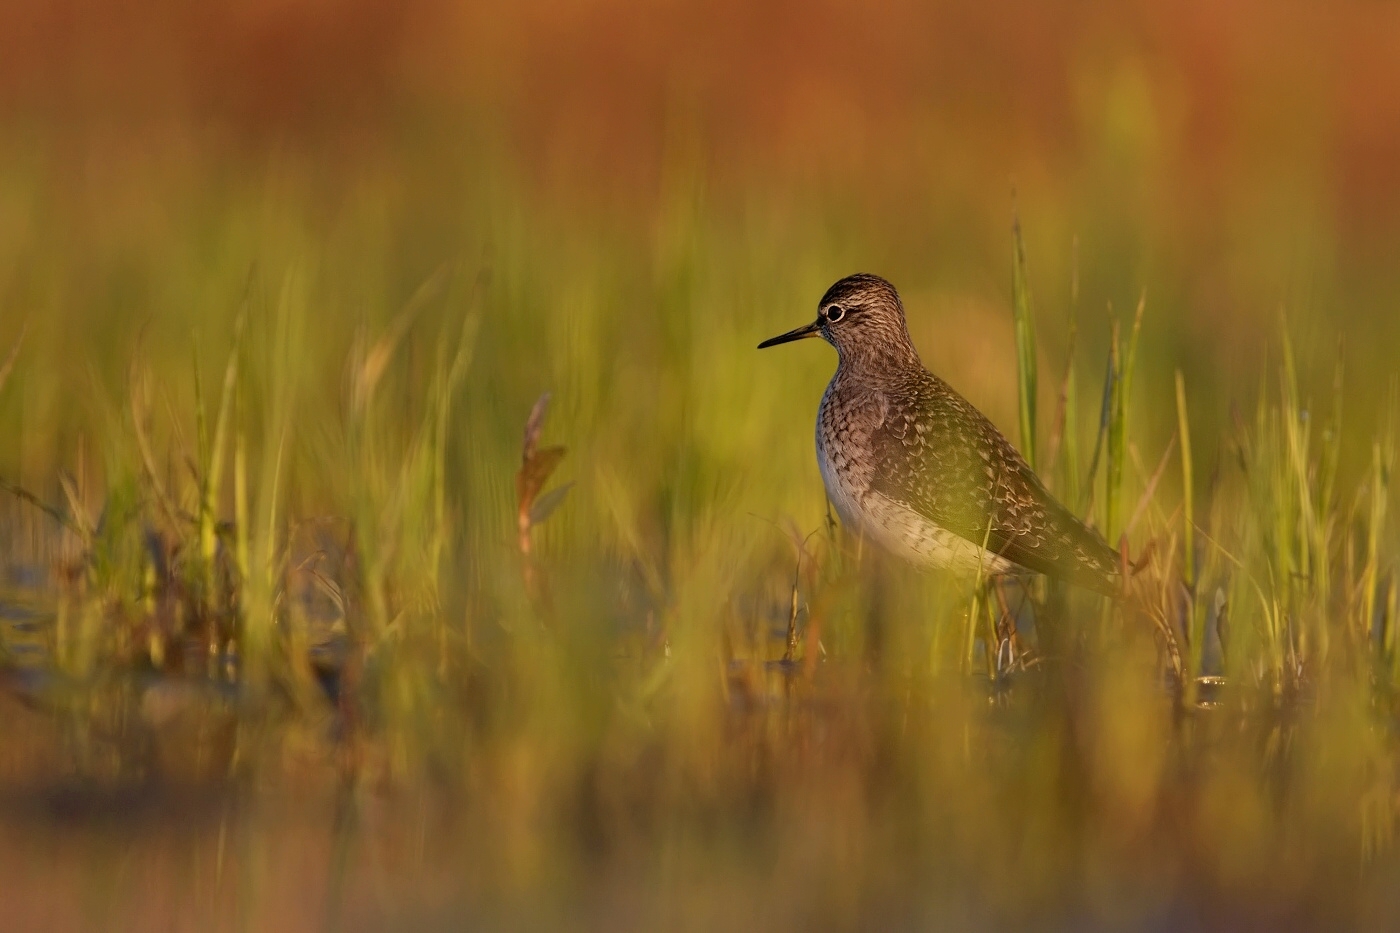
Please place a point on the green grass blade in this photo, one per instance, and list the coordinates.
(1110, 381)
(1118, 425)
(1026, 379)
(1188, 498)
(1380, 481)
(1195, 614)
(214, 464)
(1069, 430)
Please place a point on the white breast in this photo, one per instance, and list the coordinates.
(903, 531)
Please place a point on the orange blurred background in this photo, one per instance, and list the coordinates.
(1231, 158)
(1218, 93)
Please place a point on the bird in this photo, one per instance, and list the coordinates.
(912, 466)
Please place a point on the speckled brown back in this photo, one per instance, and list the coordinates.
(940, 456)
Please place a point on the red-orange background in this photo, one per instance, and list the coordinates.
(1232, 158)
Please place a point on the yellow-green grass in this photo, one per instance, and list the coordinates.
(283, 647)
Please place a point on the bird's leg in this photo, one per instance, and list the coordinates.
(1008, 644)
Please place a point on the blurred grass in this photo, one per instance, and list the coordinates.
(349, 622)
(284, 644)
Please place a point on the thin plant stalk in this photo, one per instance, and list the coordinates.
(1195, 616)
(1024, 321)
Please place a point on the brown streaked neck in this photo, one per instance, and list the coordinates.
(891, 355)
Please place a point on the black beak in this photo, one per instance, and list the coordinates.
(806, 330)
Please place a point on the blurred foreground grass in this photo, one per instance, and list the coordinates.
(282, 648)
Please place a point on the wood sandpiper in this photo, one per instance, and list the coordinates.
(913, 466)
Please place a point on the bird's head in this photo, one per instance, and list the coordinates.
(863, 318)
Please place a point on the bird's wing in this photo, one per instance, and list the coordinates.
(942, 458)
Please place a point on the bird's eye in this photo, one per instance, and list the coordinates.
(834, 314)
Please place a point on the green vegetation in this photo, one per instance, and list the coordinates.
(317, 613)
